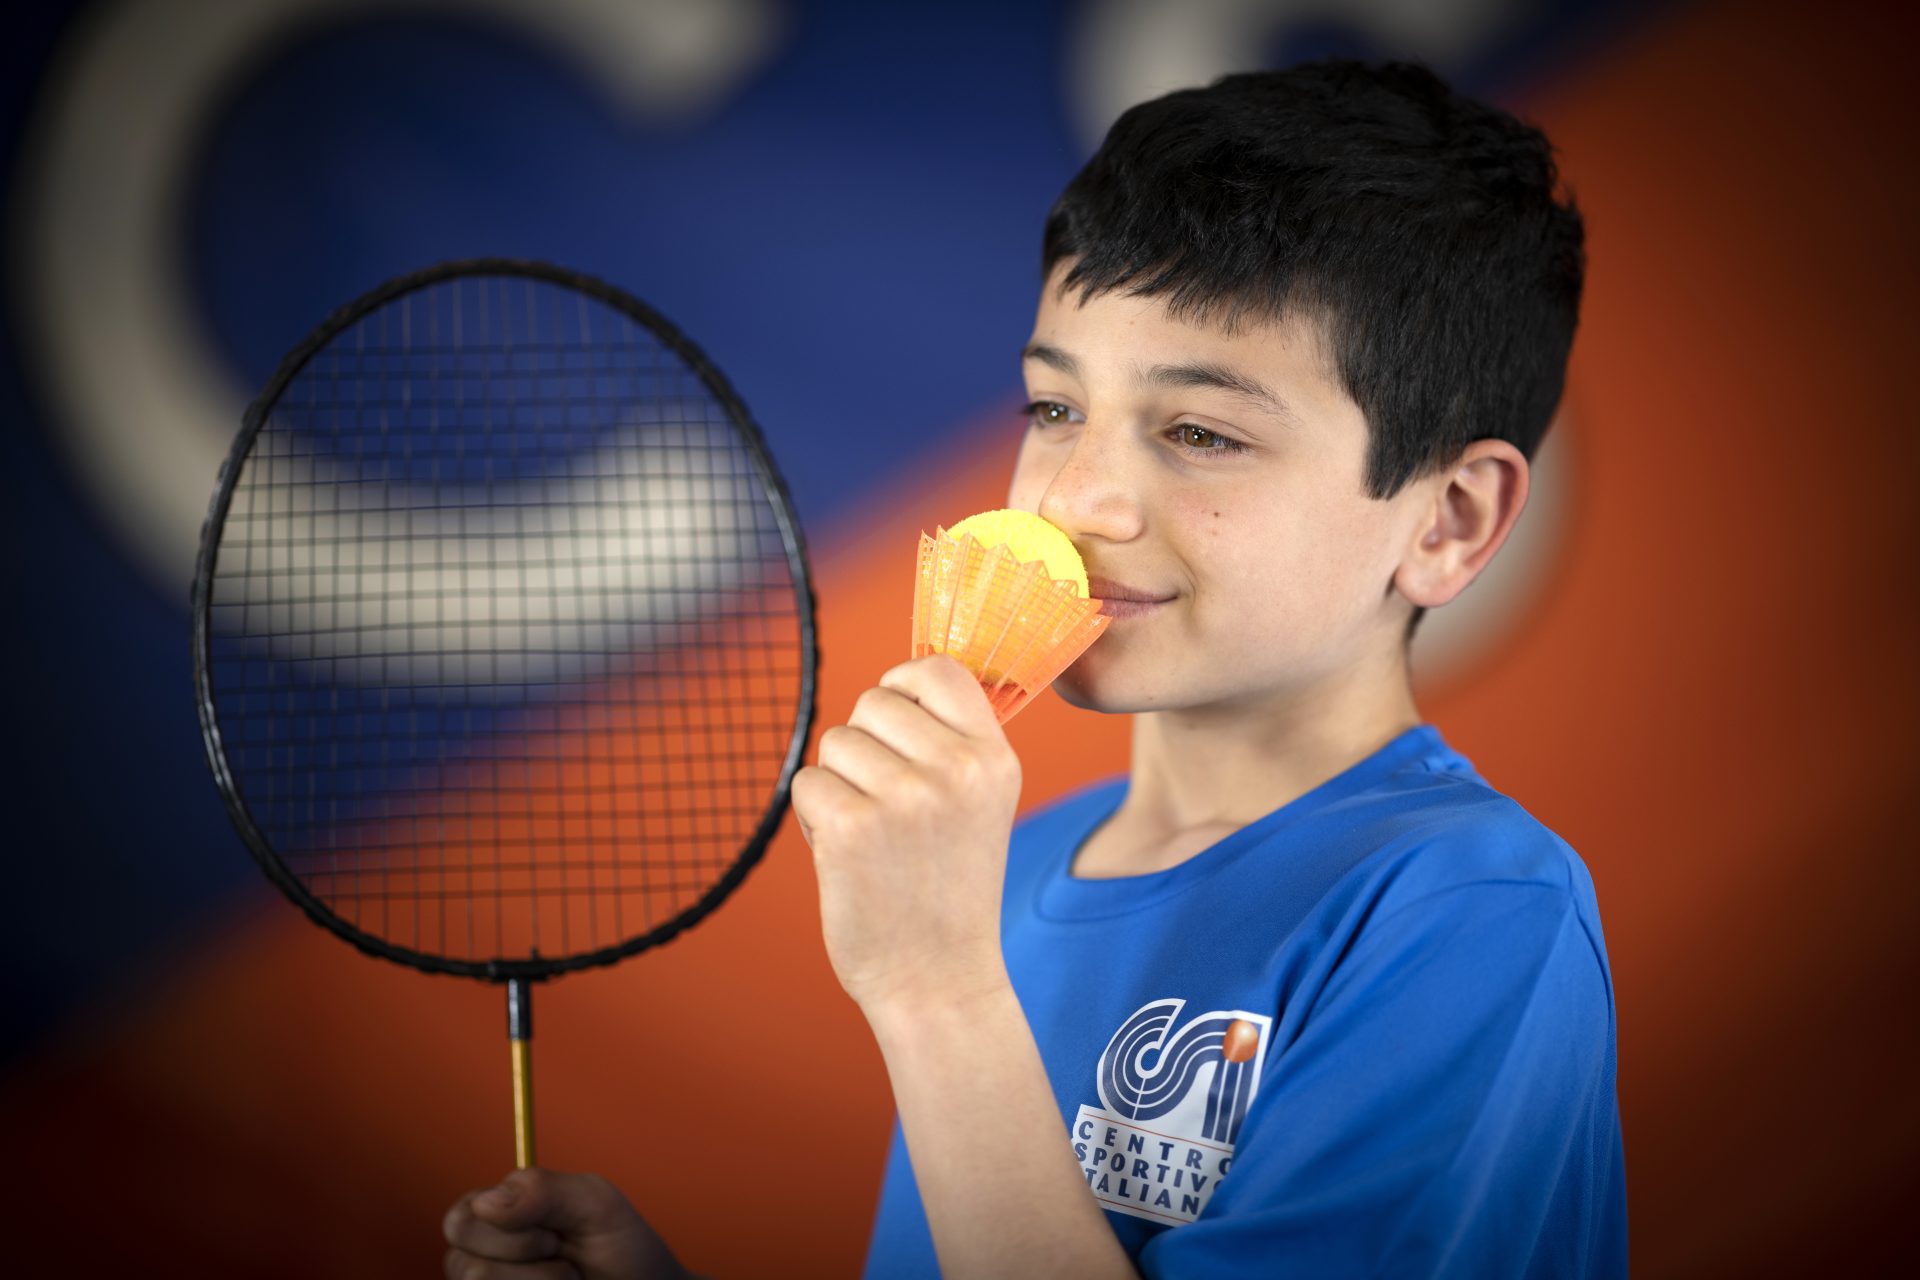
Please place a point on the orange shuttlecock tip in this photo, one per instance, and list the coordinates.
(1005, 593)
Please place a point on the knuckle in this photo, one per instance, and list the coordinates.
(983, 767)
(1004, 764)
(852, 825)
(534, 1246)
(602, 1195)
(968, 767)
(950, 671)
(805, 790)
(918, 787)
(819, 800)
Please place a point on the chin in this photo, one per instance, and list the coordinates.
(1074, 694)
(1094, 690)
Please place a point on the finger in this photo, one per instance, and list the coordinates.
(908, 729)
(464, 1229)
(570, 1204)
(855, 755)
(459, 1265)
(948, 690)
(820, 797)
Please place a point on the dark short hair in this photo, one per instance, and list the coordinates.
(1421, 230)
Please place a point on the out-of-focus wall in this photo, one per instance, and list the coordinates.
(1693, 664)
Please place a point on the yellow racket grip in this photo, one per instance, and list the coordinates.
(520, 1042)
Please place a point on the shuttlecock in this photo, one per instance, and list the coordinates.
(1004, 592)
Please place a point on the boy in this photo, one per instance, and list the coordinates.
(1301, 994)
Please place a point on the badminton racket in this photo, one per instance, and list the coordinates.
(503, 637)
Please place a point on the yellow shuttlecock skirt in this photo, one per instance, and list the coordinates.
(1006, 621)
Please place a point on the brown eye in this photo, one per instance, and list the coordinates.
(1198, 439)
(1048, 413)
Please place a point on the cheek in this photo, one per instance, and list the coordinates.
(1233, 543)
(1028, 484)
(1268, 559)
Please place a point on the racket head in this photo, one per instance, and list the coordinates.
(776, 530)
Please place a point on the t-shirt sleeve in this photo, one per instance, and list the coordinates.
(1437, 1111)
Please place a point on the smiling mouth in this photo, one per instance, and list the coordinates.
(1117, 600)
(1128, 608)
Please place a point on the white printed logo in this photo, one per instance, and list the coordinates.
(1171, 1104)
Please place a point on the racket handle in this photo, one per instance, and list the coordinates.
(520, 1040)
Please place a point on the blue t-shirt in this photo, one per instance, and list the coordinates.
(1371, 1033)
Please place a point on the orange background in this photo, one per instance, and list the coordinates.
(1711, 701)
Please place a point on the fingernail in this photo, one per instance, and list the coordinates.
(495, 1200)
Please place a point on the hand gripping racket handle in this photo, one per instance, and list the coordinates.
(520, 1037)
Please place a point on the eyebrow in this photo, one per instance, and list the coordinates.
(1195, 373)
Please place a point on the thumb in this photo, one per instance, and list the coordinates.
(572, 1204)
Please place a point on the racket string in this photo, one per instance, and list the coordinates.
(514, 555)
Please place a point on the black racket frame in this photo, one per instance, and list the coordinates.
(535, 968)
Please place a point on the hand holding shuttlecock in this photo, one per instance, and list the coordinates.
(1005, 593)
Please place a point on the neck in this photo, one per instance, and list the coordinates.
(1228, 765)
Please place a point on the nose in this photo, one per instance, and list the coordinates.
(1094, 494)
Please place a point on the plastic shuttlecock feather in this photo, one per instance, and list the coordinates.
(1005, 593)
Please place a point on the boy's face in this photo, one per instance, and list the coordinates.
(1265, 569)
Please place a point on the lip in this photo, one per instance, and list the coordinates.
(1118, 600)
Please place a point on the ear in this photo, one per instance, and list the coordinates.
(1469, 510)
